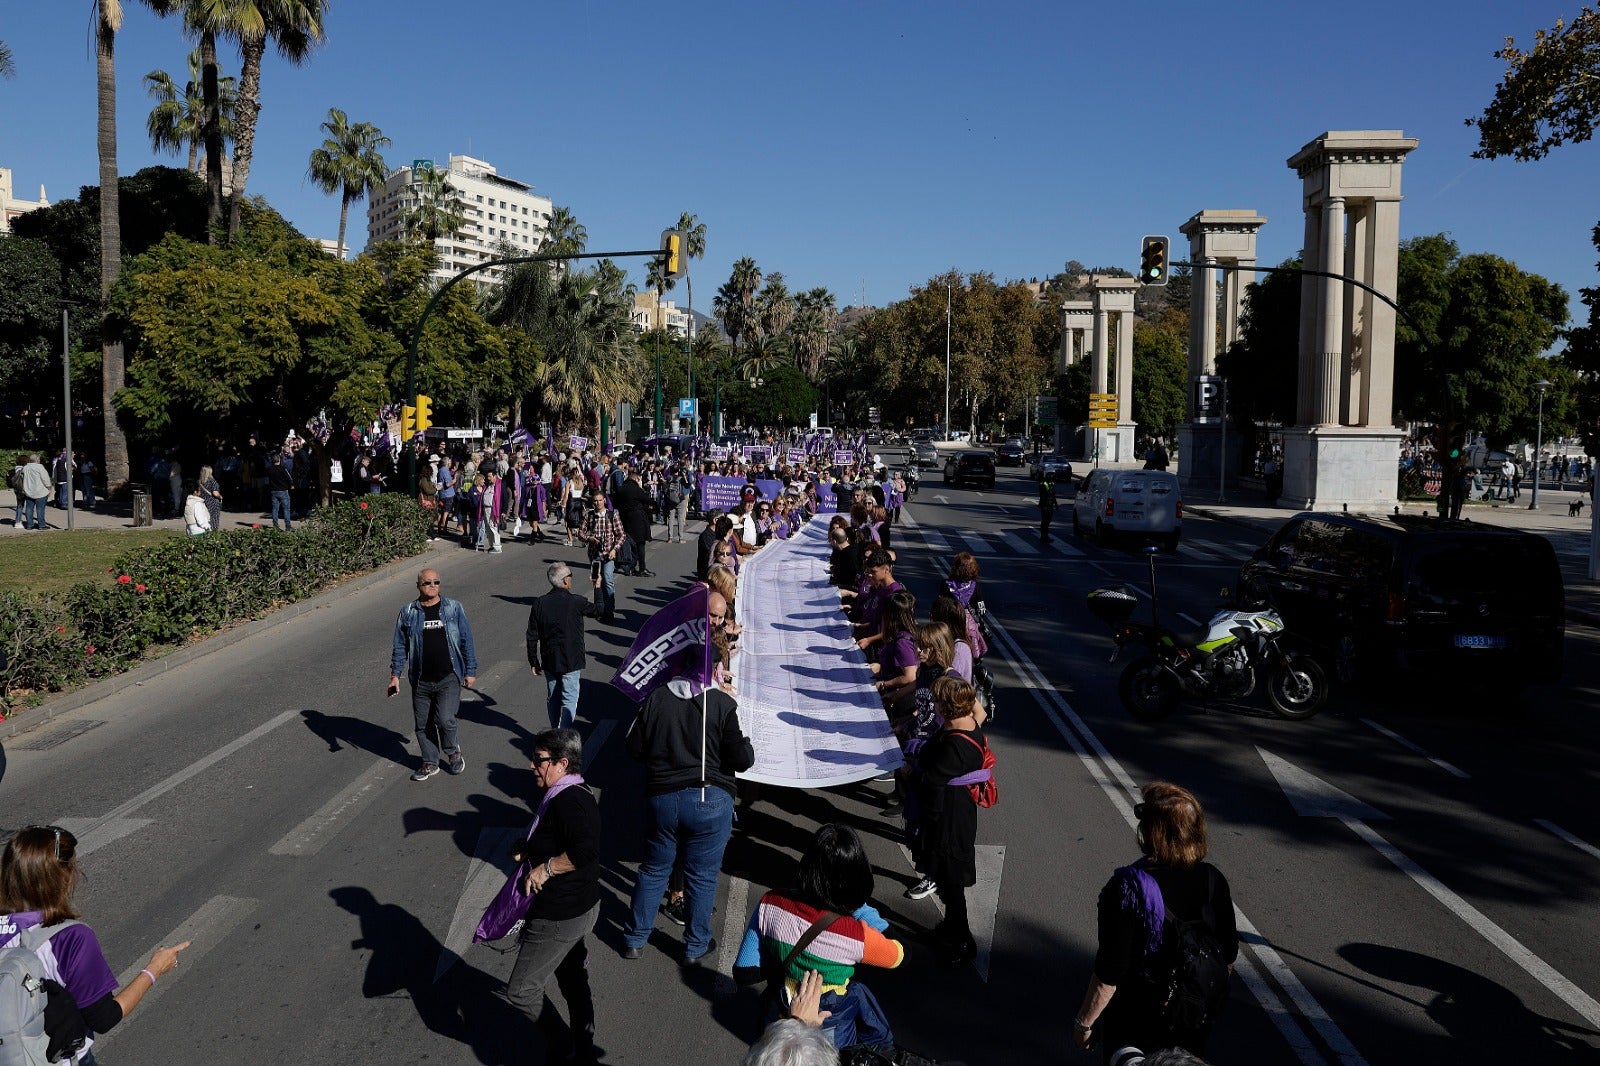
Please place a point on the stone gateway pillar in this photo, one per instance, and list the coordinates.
(1227, 238)
(1112, 298)
(1344, 449)
(1077, 327)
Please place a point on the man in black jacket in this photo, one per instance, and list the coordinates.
(689, 740)
(634, 507)
(555, 643)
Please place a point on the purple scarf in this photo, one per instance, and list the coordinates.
(962, 590)
(510, 906)
(1141, 900)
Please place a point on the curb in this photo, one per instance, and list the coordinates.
(32, 718)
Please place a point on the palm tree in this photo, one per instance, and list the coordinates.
(733, 304)
(108, 20)
(8, 68)
(350, 162)
(295, 27)
(206, 20)
(590, 363)
(814, 316)
(774, 306)
(696, 233)
(178, 119)
(563, 234)
(439, 210)
(761, 352)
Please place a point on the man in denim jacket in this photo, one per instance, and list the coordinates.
(432, 635)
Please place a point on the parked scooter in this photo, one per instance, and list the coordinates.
(1223, 659)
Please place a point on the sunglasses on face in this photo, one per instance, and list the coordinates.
(540, 760)
(421, 584)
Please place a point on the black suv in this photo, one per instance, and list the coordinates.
(1475, 601)
(974, 467)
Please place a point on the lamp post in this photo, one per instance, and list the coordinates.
(947, 297)
(1538, 442)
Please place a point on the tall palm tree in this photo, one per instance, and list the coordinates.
(734, 302)
(563, 233)
(695, 233)
(349, 162)
(107, 21)
(590, 363)
(814, 317)
(774, 306)
(178, 119)
(206, 20)
(295, 27)
(439, 210)
(761, 353)
(8, 67)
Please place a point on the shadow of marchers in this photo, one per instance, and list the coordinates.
(404, 955)
(1473, 1010)
(338, 730)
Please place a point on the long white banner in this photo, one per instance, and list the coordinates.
(805, 692)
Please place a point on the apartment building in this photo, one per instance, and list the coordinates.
(10, 206)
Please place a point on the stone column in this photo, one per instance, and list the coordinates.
(1102, 345)
(1310, 294)
(1382, 270)
(1125, 371)
(1330, 348)
(1233, 289)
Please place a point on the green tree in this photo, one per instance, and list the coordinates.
(1160, 371)
(8, 65)
(1547, 97)
(564, 235)
(1262, 367)
(1582, 361)
(205, 20)
(439, 209)
(349, 162)
(176, 121)
(774, 307)
(294, 27)
(734, 304)
(815, 312)
(30, 319)
(783, 397)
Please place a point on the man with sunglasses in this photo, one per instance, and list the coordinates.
(433, 643)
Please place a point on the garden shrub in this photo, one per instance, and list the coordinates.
(189, 587)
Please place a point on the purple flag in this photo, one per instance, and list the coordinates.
(672, 643)
(550, 440)
(520, 436)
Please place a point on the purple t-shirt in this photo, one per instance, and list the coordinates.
(72, 957)
(872, 608)
(961, 665)
(897, 654)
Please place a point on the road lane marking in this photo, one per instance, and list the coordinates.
(975, 543)
(1314, 798)
(311, 835)
(734, 920)
(100, 829)
(205, 929)
(931, 537)
(94, 834)
(487, 871)
(983, 900)
(1017, 544)
(1122, 792)
(1416, 748)
(597, 738)
(1568, 837)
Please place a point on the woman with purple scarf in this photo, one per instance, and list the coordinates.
(1122, 1006)
(963, 585)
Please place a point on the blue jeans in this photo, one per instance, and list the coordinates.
(701, 828)
(280, 503)
(562, 693)
(87, 484)
(442, 698)
(64, 494)
(33, 512)
(607, 569)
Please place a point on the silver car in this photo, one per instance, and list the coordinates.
(923, 453)
(1059, 466)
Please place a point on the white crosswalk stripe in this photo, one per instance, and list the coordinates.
(1020, 546)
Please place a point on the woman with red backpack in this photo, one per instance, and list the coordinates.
(956, 776)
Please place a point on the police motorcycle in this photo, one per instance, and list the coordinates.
(909, 474)
(1224, 659)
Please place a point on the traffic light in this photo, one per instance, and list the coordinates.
(674, 254)
(1153, 261)
(424, 413)
(408, 422)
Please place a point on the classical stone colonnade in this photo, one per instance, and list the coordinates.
(1343, 448)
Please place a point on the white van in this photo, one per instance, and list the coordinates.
(1145, 504)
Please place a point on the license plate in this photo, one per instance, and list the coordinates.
(1463, 641)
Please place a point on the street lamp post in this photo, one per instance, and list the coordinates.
(1538, 442)
(947, 296)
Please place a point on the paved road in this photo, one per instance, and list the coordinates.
(257, 798)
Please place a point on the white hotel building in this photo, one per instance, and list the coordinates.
(499, 211)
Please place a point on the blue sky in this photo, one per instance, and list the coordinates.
(867, 146)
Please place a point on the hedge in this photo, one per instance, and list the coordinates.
(189, 587)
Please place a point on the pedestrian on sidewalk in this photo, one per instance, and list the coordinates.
(634, 505)
(280, 477)
(433, 647)
(602, 532)
(563, 858)
(61, 471)
(35, 493)
(86, 473)
(556, 644)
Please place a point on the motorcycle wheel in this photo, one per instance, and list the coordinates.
(1297, 687)
(1148, 690)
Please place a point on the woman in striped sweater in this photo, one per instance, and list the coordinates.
(829, 920)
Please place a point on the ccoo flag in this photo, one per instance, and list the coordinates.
(672, 643)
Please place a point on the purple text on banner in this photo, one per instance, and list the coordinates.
(671, 643)
(577, 444)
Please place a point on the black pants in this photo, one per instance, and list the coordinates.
(638, 555)
(954, 930)
(1045, 518)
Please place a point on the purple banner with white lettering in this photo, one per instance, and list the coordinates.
(796, 455)
(671, 643)
(578, 444)
(723, 492)
(844, 458)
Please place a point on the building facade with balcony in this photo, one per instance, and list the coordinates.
(497, 212)
(649, 311)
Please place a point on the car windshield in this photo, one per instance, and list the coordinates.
(1498, 573)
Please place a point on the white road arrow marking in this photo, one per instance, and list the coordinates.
(942, 498)
(1312, 797)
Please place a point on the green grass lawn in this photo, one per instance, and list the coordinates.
(41, 562)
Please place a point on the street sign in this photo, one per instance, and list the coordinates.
(1208, 399)
(1103, 410)
(685, 407)
(444, 433)
(1044, 410)
(874, 416)
(419, 165)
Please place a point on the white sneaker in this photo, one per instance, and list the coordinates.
(921, 890)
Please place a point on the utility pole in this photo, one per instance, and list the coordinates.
(66, 411)
(947, 293)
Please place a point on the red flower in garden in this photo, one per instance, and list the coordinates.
(363, 507)
(138, 588)
(89, 650)
(123, 579)
(255, 525)
(61, 629)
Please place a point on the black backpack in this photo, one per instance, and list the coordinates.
(1189, 975)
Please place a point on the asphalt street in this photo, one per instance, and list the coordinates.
(1439, 904)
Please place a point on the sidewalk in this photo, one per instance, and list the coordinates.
(114, 515)
(1568, 535)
